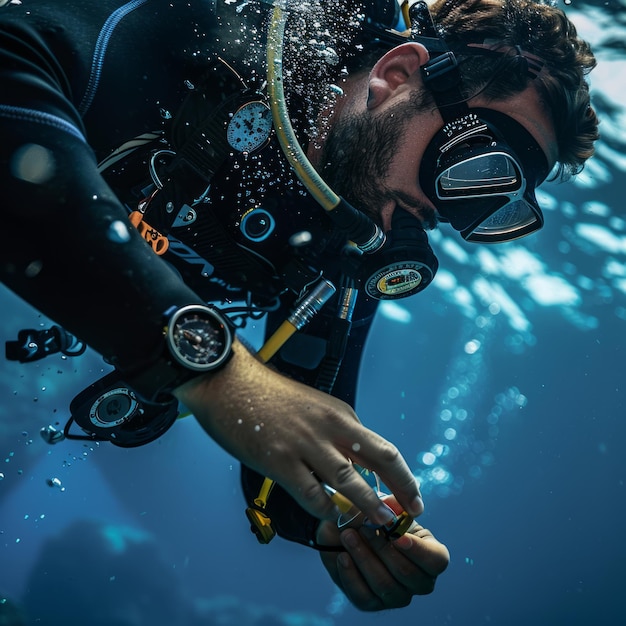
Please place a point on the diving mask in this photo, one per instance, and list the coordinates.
(480, 171)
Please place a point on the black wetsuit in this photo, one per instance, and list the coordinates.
(79, 79)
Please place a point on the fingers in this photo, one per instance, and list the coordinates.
(385, 459)
(305, 487)
(328, 465)
(377, 574)
(421, 547)
(309, 493)
(368, 584)
(342, 476)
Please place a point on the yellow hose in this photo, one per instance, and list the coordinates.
(367, 235)
(274, 343)
(314, 183)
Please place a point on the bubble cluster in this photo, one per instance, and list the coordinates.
(467, 424)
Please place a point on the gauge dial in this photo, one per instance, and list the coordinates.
(250, 126)
(198, 338)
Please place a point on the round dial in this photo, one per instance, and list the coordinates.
(250, 126)
(198, 338)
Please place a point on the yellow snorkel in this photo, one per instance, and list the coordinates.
(367, 235)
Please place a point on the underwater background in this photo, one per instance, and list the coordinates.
(503, 384)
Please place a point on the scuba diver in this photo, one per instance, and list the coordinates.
(173, 169)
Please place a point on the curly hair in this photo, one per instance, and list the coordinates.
(539, 29)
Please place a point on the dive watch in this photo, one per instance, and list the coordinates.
(198, 339)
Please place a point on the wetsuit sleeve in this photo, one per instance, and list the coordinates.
(66, 245)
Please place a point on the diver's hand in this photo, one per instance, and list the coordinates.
(377, 574)
(286, 431)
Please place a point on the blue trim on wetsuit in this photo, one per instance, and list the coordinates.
(40, 117)
(100, 50)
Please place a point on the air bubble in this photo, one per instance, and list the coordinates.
(33, 269)
(449, 433)
(453, 392)
(300, 239)
(118, 232)
(471, 347)
(428, 458)
(33, 163)
(55, 482)
(51, 435)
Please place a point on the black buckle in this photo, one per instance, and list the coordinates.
(32, 344)
(442, 72)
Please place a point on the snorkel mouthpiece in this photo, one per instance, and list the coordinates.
(358, 227)
(405, 265)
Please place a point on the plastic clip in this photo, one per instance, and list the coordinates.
(158, 242)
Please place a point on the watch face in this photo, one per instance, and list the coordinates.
(198, 338)
(250, 127)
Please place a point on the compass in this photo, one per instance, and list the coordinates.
(249, 127)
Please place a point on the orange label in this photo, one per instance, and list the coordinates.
(158, 242)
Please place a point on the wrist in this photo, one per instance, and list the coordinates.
(210, 383)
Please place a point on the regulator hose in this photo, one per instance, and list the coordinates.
(367, 235)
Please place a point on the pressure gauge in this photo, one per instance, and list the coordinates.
(250, 126)
(199, 338)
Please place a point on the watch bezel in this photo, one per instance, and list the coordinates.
(207, 312)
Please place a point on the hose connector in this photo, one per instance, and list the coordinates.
(362, 230)
(311, 303)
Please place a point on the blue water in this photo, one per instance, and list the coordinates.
(503, 385)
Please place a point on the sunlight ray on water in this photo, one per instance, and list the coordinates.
(576, 270)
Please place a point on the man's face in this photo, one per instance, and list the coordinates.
(372, 158)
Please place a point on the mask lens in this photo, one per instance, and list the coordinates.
(513, 219)
(480, 172)
(482, 175)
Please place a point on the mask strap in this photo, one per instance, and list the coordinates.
(441, 74)
(526, 64)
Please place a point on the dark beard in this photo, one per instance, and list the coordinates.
(358, 152)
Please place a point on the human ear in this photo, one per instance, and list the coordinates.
(394, 70)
